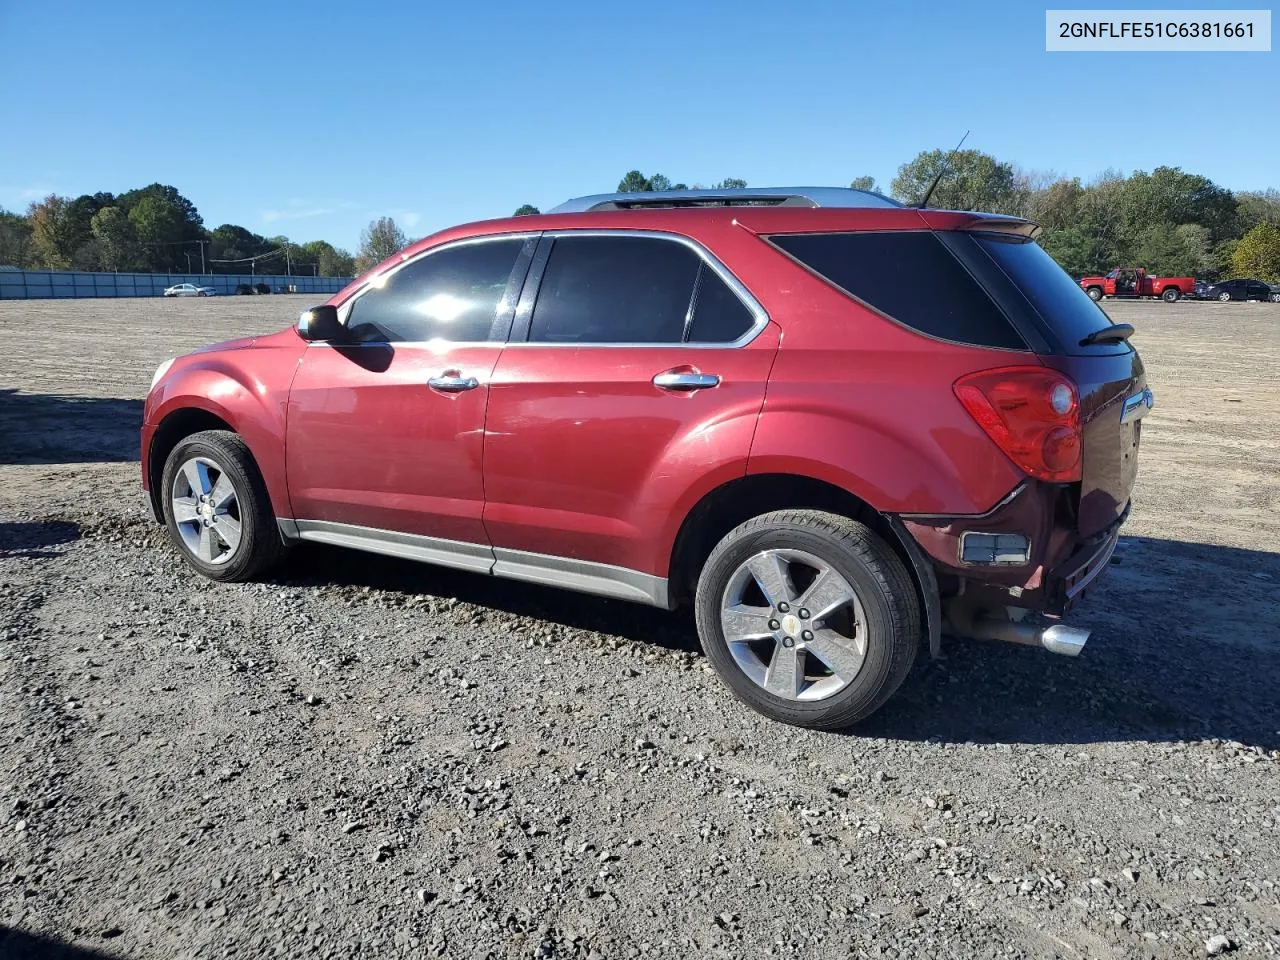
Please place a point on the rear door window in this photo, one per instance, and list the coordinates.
(910, 277)
(615, 290)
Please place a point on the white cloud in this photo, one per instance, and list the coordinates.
(296, 209)
(299, 213)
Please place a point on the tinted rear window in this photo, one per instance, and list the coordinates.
(1061, 304)
(912, 278)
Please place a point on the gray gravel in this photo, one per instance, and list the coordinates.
(366, 757)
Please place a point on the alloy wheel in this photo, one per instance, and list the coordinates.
(206, 510)
(794, 625)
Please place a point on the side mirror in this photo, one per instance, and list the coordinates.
(321, 323)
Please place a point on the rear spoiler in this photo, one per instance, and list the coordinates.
(981, 223)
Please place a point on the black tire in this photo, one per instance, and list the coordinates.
(1274, 297)
(260, 545)
(1171, 295)
(1095, 293)
(1224, 297)
(883, 587)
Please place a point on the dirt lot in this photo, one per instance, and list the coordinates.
(365, 757)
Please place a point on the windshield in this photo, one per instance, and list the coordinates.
(1058, 299)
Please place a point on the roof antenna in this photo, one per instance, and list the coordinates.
(946, 162)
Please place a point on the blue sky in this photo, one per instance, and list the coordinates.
(309, 119)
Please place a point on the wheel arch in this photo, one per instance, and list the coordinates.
(172, 430)
(738, 500)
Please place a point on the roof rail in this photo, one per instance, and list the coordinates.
(745, 197)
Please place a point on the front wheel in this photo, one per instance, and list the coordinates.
(1223, 297)
(1274, 297)
(1095, 293)
(217, 509)
(809, 617)
(1171, 295)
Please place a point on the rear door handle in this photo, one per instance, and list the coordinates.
(683, 380)
(451, 381)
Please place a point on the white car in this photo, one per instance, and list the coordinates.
(189, 290)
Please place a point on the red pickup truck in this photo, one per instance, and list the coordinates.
(1134, 282)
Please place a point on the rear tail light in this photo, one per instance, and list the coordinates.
(1032, 414)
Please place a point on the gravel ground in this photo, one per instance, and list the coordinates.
(370, 758)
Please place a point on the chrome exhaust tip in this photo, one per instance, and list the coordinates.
(1058, 638)
(1064, 640)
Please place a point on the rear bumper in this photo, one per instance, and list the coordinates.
(1067, 582)
(1060, 566)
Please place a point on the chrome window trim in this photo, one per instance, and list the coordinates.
(754, 307)
(581, 576)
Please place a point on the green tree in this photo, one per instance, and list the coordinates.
(15, 240)
(158, 224)
(231, 242)
(1255, 207)
(864, 183)
(329, 260)
(1258, 254)
(526, 210)
(52, 233)
(1165, 251)
(1167, 195)
(973, 181)
(117, 241)
(634, 182)
(169, 225)
(1075, 249)
(658, 182)
(379, 240)
(730, 183)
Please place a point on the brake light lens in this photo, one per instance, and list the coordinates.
(1032, 414)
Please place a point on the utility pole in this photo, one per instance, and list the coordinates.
(288, 267)
(202, 243)
(188, 253)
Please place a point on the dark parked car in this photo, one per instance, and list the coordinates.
(748, 401)
(1244, 289)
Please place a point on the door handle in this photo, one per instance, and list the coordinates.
(685, 380)
(451, 381)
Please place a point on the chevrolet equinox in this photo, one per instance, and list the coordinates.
(834, 425)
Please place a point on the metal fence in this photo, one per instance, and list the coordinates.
(49, 284)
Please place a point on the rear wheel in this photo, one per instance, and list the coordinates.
(217, 509)
(1224, 296)
(1171, 295)
(809, 617)
(1095, 293)
(1274, 297)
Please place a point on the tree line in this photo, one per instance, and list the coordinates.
(152, 229)
(1172, 222)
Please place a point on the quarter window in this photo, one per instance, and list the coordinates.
(908, 276)
(453, 294)
(719, 316)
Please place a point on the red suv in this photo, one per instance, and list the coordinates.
(834, 425)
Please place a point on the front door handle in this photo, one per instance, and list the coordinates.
(452, 381)
(685, 380)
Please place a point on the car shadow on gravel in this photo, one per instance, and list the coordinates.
(32, 540)
(317, 565)
(48, 428)
(1185, 646)
(20, 945)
